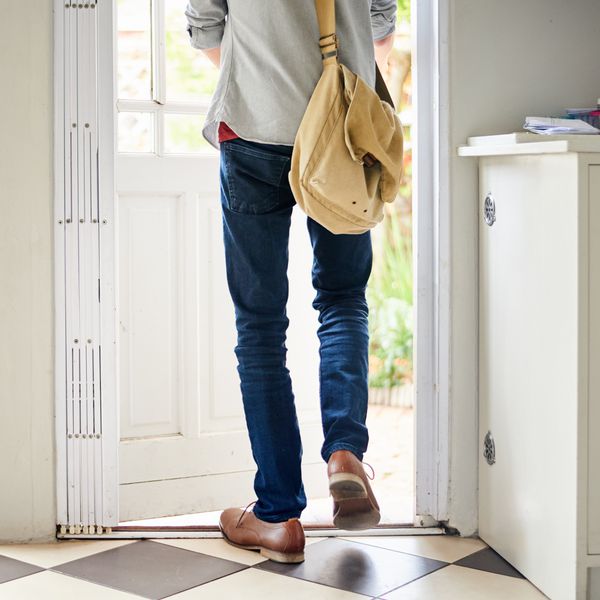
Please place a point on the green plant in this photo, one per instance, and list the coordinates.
(404, 10)
(390, 298)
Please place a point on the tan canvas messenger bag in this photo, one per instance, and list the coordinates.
(347, 156)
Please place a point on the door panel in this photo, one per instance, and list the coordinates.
(150, 315)
(184, 442)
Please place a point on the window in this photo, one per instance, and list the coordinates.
(164, 85)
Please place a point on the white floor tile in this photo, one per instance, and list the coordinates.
(48, 585)
(437, 547)
(461, 583)
(253, 584)
(49, 555)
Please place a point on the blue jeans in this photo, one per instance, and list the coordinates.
(257, 203)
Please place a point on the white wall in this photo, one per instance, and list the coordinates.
(508, 59)
(27, 489)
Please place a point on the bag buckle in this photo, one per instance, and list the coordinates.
(369, 160)
(326, 41)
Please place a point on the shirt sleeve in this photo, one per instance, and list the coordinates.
(206, 22)
(383, 18)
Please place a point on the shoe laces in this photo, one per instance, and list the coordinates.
(244, 512)
(372, 470)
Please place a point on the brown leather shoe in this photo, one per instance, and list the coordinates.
(282, 542)
(354, 503)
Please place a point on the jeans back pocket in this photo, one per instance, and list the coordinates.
(253, 176)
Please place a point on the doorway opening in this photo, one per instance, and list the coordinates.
(164, 88)
(152, 425)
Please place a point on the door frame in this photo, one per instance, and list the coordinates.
(431, 260)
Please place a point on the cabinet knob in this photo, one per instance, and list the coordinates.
(489, 210)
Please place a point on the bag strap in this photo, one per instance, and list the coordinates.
(381, 87)
(329, 45)
(328, 39)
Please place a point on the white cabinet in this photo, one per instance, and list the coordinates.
(539, 358)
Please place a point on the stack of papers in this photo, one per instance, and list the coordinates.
(552, 125)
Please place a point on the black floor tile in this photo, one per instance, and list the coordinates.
(355, 567)
(13, 569)
(150, 569)
(489, 560)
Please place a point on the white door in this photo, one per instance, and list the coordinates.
(184, 446)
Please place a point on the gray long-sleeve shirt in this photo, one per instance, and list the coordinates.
(271, 62)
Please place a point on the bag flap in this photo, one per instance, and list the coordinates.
(373, 127)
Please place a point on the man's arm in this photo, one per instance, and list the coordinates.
(383, 25)
(206, 23)
(214, 55)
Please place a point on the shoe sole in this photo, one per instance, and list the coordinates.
(355, 509)
(282, 557)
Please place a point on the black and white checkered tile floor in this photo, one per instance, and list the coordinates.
(390, 568)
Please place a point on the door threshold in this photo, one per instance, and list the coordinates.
(213, 531)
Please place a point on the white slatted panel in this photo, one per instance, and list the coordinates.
(84, 222)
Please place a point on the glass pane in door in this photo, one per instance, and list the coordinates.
(136, 132)
(183, 135)
(191, 77)
(134, 49)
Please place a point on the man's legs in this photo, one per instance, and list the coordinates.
(341, 269)
(257, 205)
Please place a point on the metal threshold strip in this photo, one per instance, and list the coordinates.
(212, 531)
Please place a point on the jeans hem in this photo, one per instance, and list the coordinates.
(278, 518)
(325, 454)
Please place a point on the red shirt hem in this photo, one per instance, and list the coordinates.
(225, 132)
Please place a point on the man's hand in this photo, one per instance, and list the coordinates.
(214, 55)
(382, 49)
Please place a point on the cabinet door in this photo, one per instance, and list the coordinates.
(594, 357)
(528, 365)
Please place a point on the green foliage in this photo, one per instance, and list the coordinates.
(390, 298)
(404, 10)
(190, 75)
